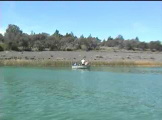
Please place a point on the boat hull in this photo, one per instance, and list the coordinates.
(80, 67)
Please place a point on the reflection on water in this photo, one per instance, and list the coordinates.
(139, 70)
(125, 93)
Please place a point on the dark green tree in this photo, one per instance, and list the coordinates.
(110, 38)
(120, 37)
(137, 39)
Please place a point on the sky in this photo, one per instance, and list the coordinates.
(142, 19)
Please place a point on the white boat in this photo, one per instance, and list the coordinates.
(80, 66)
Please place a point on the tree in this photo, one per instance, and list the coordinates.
(39, 45)
(56, 32)
(67, 42)
(54, 43)
(72, 34)
(15, 39)
(103, 43)
(82, 41)
(24, 41)
(12, 36)
(82, 36)
(110, 38)
(25, 44)
(155, 45)
(143, 45)
(13, 33)
(13, 46)
(90, 36)
(120, 37)
(88, 43)
(137, 39)
(1, 38)
(128, 44)
(111, 42)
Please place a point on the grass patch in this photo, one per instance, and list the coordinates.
(59, 63)
(34, 63)
(125, 63)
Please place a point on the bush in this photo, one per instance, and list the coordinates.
(40, 48)
(143, 45)
(27, 49)
(84, 47)
(14, 47)
(53, 48)
(1, 48)
(155, 45)
(69, 49)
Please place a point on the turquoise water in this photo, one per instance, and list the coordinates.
(103, 93)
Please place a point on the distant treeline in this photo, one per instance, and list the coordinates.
(15, 39)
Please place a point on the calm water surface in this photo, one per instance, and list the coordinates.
(103, 93)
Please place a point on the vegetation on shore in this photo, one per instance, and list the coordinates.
(15, 39)
(69, 63)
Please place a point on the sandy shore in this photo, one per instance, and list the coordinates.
(78, 55)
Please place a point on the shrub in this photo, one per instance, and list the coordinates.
(14, 47)
(69, 49)
(27, 49)
(1, 48)
(84, 47)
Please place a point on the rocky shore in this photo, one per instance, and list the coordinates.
(91, 56)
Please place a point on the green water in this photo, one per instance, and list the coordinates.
(103, 93)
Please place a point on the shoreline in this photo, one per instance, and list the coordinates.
(95, 58)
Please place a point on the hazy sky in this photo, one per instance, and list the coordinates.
(98, 18)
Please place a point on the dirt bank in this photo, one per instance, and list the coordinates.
(78, 55)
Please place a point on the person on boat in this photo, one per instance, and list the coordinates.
(75, 64)
(83, 62)
(86, 63)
